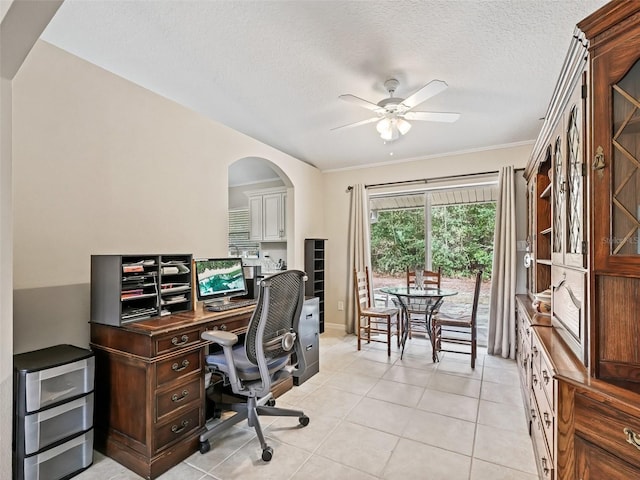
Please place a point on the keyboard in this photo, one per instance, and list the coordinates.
(223, 307)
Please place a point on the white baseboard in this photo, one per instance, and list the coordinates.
(334, 327)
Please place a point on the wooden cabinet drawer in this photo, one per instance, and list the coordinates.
(178, 366)
(172, 431)
(237, 324)
(604, 425)
(542, 376)
(178, 340)
(544, 459)
(546, 417)
(179, 397)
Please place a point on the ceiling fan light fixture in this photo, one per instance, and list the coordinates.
(383, 125)
(390, 129)
(390, 134)
(403, 126)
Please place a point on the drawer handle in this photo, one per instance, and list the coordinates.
(545, 469)
(546, 377)
(184, 339)
(177, 429)
(547, 420)
(177, 368)
(632, 437)
(178, 398)
(223, 327)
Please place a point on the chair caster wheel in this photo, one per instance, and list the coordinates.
(267, 453)
(205, 447)
(271, 403)
(304, 420)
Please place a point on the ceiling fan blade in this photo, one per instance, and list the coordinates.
(432, 116)
(431, 89)
(359, 101)
(357, 124)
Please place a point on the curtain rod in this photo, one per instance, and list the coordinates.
(427, 180)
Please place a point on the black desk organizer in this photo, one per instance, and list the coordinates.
(53, 413)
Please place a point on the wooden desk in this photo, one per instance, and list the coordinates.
(150, 398)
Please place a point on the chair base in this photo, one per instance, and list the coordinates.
(250, 411)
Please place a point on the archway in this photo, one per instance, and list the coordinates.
(260, 213)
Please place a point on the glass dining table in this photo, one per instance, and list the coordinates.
(423, 300)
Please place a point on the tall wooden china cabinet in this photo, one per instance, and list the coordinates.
(580, 363)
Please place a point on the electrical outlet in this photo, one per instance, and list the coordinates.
(341, 306)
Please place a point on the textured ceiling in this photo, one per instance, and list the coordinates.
(274, 69)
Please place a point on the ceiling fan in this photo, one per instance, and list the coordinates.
(392, 113)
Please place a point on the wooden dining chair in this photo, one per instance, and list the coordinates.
(458, 330)
(416, 310)
(373, 320)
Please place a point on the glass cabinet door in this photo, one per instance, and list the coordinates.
(625, 181)
(574, 244)
(616, 158)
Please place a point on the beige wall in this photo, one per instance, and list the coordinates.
(104, 166)
(336, 204)
(6, 286)
(22, 24)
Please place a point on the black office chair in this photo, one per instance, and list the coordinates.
(251, 368)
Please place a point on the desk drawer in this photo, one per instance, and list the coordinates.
(609, 428)
(179, 397)
(235, 325)
(177, 340)
(178, 366)
(176, 429)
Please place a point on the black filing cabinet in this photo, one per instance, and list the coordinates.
(52, 412)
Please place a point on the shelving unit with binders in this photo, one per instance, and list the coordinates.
(314, 262)
(130, 288)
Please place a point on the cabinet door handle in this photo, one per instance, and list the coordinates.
(598, 161)
(177, 368)
(184, 339)
(177, 429)
(545, 469)
(533, 413)
(545, 376)
(534, 350)
(632, 437)
(178, 398)
(534, 377)
(547, 420)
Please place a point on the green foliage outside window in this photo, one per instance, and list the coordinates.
(461, 239)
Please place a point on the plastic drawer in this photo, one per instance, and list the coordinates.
(49, 426)
(62, 460)
(53, 385)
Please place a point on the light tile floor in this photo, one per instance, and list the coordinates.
(374, 417)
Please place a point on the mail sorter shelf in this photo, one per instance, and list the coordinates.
(53, 412)
(130, 288)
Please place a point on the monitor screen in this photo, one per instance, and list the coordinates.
(219, 278)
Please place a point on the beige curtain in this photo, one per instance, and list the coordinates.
(502, 321)
(359, 252)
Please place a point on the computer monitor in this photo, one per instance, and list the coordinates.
(218, 279)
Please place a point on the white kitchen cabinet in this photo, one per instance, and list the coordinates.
(267, 213)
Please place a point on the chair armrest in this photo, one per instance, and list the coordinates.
(226, 339)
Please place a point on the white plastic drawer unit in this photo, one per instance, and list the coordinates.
(50, 426)
(62, 460)
(54, 385)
